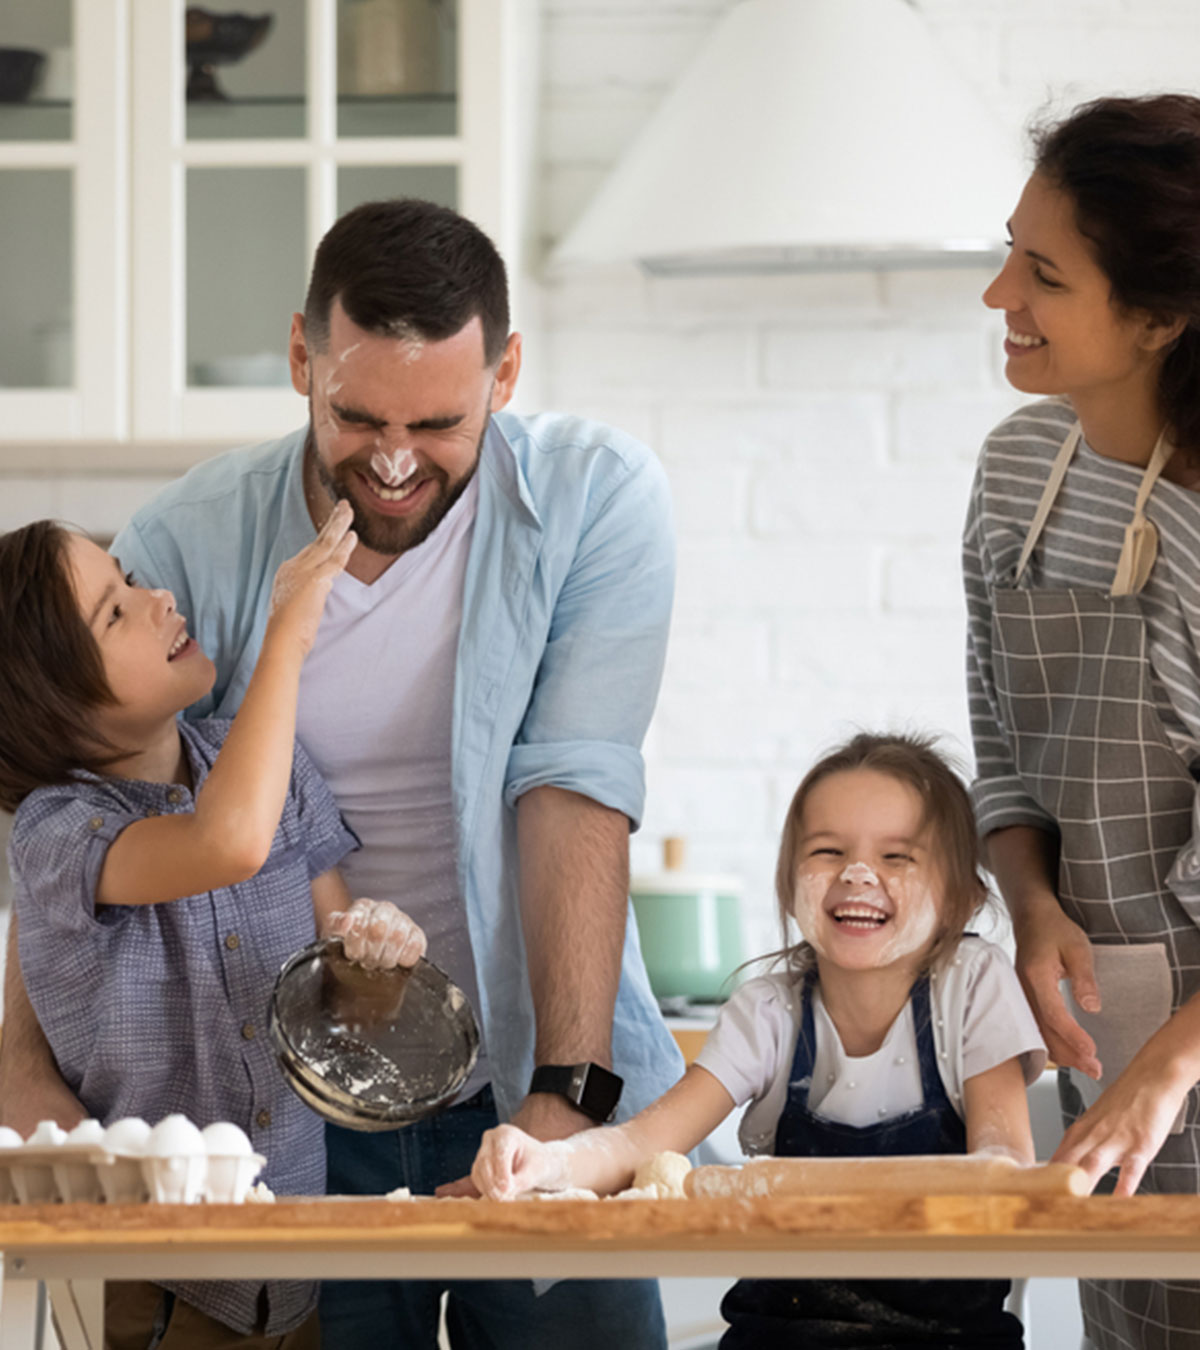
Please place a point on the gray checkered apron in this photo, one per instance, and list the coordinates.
(1075, 690)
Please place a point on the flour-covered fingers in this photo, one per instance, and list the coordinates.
(377, 935)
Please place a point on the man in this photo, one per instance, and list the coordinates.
(476, 699)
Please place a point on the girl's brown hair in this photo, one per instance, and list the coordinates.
(948, 816)
(51, 672)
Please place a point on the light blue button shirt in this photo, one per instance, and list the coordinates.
(566, 607)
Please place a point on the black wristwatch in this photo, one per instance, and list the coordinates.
(591, 1088)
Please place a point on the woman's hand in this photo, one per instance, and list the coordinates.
(377, 935)
(1050, 948)
(510, 1162)
(1128, 1124)
(302, 584)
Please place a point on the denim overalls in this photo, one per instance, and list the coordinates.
(881, 1314)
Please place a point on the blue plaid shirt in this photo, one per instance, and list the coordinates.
(152, 1009)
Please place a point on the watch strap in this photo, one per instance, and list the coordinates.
(592, 1088)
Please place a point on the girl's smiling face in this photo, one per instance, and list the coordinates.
(868, 885)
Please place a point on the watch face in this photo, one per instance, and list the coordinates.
(601, 1093)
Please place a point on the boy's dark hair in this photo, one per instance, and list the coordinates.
(409, 268)
(913, 761)
(1131, 166)
(51, 672)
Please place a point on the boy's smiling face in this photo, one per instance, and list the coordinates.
(153, 668)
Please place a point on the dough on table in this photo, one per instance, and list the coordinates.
(663, 1175)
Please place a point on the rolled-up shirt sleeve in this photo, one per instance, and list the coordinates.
(998, 793)
(603, 658)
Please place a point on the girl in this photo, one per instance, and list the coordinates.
(1080, 564)
(163, 871)
(887, 1031)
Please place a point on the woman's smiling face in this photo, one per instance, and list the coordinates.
(1065, 334)
(868, 885)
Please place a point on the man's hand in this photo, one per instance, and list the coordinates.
(45, 1096)
(542, 1115)
(1050, 948)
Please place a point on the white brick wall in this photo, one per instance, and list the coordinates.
(820, 431)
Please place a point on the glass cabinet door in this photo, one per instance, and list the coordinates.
(252, 133)
(61, 188)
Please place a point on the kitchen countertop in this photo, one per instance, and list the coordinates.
(76, 1247)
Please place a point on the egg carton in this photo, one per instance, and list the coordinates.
(128, 1163)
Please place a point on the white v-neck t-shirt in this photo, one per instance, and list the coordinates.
(376, 705)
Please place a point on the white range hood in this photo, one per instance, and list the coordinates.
(808, 134)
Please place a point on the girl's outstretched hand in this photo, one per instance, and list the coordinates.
(303, 583)
(377, 935)
(1127, 1125)
(510, 1162)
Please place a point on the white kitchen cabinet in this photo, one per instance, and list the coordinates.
(158, 244)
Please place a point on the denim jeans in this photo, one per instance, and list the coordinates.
(480, 1314)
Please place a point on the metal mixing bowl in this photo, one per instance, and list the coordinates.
(371, 1049)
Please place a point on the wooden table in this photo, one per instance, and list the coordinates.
(74, 1248)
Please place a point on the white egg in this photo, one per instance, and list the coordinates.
(175, 1137)
(224, 1139)
(9, 1138)
(86, 1132)
(47, 1132)
(127, 1137)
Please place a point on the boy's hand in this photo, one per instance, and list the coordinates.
(303, 583)
(510, 1162)
(377, 935)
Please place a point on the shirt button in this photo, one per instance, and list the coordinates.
(882, 1112)
(263, 1119)
(850, 1085)
(175, 796)
(900, 1059)
(151, 811)
(233, 942)
(247, 1031)
(95, 822)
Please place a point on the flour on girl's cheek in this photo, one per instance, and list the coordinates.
(915, 920)
(810, 898)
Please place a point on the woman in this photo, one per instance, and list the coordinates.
(1082, 567)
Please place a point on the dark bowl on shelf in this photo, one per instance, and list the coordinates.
(218, 40)
(19, 71)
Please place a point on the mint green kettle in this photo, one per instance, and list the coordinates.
(690, 926)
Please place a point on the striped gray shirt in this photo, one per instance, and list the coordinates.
(1078, 549)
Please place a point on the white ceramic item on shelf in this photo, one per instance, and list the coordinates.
(76, 1176)
(121, 1178)
(9, 1139)
(34, 1181)
(176, 1162)
(232, 1163)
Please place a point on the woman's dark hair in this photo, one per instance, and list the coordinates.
(1132, 169)
(51, 672)
(947, 814)
(409, 268)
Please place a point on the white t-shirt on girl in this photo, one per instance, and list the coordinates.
(980, 1019)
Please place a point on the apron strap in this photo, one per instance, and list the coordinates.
(1139, 549)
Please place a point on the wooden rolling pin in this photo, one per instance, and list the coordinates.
(920, 1174)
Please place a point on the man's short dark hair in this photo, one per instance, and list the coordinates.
(407, 267)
